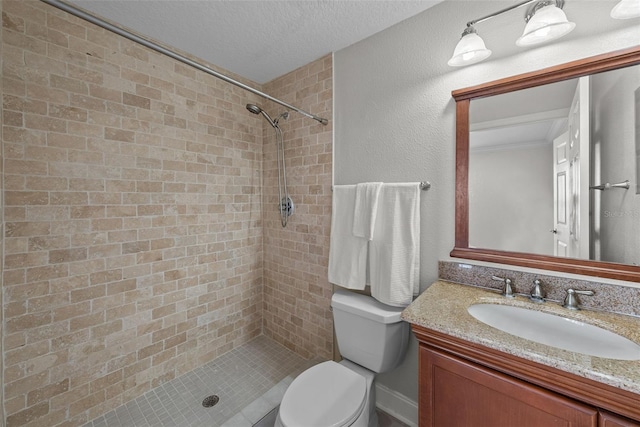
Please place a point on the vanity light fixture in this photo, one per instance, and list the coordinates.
(545, 21)
(626, 9)
(470, 49)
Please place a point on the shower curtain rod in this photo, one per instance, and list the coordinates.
(153, 46)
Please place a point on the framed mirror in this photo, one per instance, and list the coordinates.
(547, 168)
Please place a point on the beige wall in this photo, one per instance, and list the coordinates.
(133, 245)
(297, 292)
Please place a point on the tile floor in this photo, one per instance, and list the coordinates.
(249, 382)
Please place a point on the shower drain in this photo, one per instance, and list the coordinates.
(210, 401)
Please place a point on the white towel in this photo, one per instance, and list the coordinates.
(366, 209)
(347, 253)
(394, 252)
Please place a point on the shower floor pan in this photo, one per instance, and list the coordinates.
(248, 381)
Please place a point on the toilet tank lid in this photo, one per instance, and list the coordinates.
(365, 306)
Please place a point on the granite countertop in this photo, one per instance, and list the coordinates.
(443, 308)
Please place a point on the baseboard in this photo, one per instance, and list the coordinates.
(397, 405)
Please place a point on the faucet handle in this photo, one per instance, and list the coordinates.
(508, 290)
(571, 301)
(537, 294)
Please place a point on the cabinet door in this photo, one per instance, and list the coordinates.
(607, 419)
(457, 393)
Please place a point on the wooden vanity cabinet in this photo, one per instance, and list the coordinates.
(455, 392)
(462, 384)
(607, 419)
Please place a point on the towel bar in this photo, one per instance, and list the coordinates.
(424, 185)
(623, 184)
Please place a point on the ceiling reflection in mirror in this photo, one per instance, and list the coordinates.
(548, 167)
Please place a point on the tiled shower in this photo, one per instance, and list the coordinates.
(141, 237)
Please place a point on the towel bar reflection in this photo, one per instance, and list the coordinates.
(624, 184)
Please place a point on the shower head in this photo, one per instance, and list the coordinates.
(253, 108)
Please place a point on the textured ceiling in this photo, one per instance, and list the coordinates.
(259, 40)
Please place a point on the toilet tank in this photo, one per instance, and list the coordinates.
(369, 333)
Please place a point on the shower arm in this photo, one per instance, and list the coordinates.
(154, 46)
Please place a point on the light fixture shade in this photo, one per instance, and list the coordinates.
(469, 50)
(626, 9)
(547, 23)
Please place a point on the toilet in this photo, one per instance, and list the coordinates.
(372, 339)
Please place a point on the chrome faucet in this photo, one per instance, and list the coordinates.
(571, 301)
(537, 295)
(508, 290)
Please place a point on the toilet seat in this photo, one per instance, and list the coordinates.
(326, 395)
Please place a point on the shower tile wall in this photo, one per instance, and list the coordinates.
(297, 293)
(133, 219)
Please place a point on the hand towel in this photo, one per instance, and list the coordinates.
(394, 252)
(347, 253)
(366, 209)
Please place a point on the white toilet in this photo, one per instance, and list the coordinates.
(372, 339)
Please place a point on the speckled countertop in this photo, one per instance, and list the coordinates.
(443, 308)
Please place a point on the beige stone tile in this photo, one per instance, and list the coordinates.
(27, 415)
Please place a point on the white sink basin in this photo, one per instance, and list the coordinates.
(556, 331)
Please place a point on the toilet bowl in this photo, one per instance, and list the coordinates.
(330, 394)
(372, 339)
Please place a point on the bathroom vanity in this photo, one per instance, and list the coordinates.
(471, 374)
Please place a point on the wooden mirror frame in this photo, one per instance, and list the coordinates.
(463, 97)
